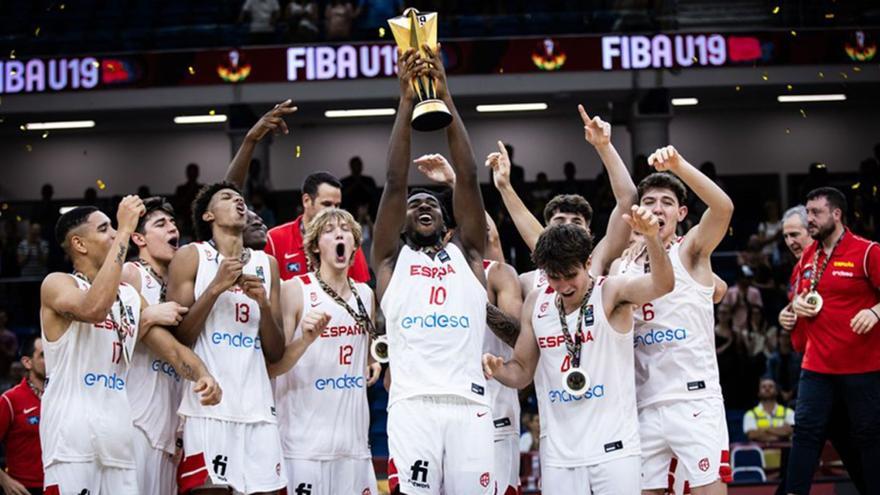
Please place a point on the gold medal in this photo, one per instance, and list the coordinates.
(379, 349)
(576, 381)
(814, 299)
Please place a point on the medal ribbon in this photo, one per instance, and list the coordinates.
(573, 345)
(817, 271)
(149, 268)
(122, 325)
(360, 316)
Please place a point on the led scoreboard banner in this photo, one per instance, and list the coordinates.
(307, 63)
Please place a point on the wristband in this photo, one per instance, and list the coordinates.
(875, 313)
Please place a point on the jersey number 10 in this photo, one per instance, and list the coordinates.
(438, 296)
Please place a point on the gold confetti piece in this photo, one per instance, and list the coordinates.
(37, 31)
(764, 76)
(96, 64)
(29, 148)
(793, 32)
(101, 184)
(776, 10)
(501, 70)
(12, 54)
(843, 75)
(738, 88)
(829, 15)
(803, 113)
(857, 69)
(212, 112)
(17, 218)
(45, 134)
(191, 70)
(61, 7)
(695, 59)
(857, 185)
(381, 32)
(787, 130)
(298, 151)
(821, 74)
(22, 127)
(789, 87)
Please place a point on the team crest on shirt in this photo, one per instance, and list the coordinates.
(704, 464)
(484, 480)
(33, 420)
(294, 267)
(261, 274)
(313, 296)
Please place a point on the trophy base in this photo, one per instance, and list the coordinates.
(431, 115)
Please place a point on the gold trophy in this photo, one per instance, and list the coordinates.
(412, 30)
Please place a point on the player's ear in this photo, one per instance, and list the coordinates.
(78, 245)
(138, 239)
(682, 212)
(208, 216)
(306, 200)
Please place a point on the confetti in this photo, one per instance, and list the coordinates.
(789, 87)
(17, 218)
(857, 69)
(191, 70)
(37, 31)
(29, 148)
(787, 130)
(5, 206)
(101, 184)
(803, 113)
(765, 77)
(501, 70)
(829, 15)
(298, 151)
(793, 32)
(12, 54)
(96, 64)
(776, 10)
(843, 75)
(381, 32)
(45, 134)
(694, 59)
(212, 112)
(738, 88)
(22, 127)
(2, 119)
(821, 74)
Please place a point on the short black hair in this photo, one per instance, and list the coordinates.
(568, 203)
(664, 180)
(834, 196)
(71, 220)
(561, 249)
(200, 206)
(28, 346)
(314, 181)
(151, 205)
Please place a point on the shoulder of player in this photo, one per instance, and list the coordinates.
(55, 281)
(131, 274)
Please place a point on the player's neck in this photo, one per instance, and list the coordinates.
(228, 243)
(85, 267)
(336, 279)
(159, 267)
(574, 302)
(830, 239)
(36, 381)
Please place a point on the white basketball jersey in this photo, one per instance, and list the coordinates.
(602, 424)
(504, 400)
(435, 317)
(675, 339)
(86, 416)
(322, 400)
(155, 388)
(231, 348)
(539, 280)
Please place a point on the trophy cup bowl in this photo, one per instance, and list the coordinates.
(412, 30)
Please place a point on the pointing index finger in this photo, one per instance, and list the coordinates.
(584, 116)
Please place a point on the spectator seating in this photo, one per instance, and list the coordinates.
(749, 475)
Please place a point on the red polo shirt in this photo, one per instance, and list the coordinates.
(286, 245)
(849, 284)
(20, 430)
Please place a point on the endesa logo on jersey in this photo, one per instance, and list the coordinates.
(111, 382)
(344, 382)
(658, 335)
(237, 340)
(435, 320)
(342, 331)
(594, 392)
(160, 366)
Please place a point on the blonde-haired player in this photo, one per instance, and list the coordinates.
(321, 387)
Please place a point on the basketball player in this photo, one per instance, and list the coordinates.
(503, 310)
(434, 299)
(90, 324)
(232, 293)
(256, 232)
(572, 208)
(322, 400)
(590, 432)
(154, 393)
(681, 412)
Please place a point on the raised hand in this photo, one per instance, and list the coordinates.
(228, 273)
(491, 365)
(167, 314)
(130, 210)
(436, 168)
(272, 121)
(665, 158)
(499, 162)
(209, 389)
(642, 221)
(409, 67)
(596, 131)
(253, 287)
(313, 325)
(434, 68)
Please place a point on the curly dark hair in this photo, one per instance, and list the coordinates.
(568, 203)
(664, 180)
(200, 206)
(561, 249)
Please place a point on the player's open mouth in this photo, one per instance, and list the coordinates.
(173, 242)
(426, 219)
(340, 252)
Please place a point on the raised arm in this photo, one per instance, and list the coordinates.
(503, 317)
(520, 370)
(185, 363)
(271, 121)
(392, 205)
(181, 289)
(643, 288)
(598, 133)
(60, 294)
(271, 334)
(466, 196)
(705, 236)
(527, 225)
